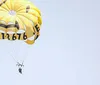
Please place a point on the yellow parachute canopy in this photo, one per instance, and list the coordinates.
(19, 20)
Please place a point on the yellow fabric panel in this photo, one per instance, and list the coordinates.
(24, 15)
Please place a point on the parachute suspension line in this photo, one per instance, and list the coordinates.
(11, 54)
(19, 24)
(20, 65)
(17, 61)
(13, 57)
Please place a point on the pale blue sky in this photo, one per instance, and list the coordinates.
(66, 53)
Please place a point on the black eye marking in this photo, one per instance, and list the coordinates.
(17, 25)
(10, 25)
(5, 1)
(27, 9)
